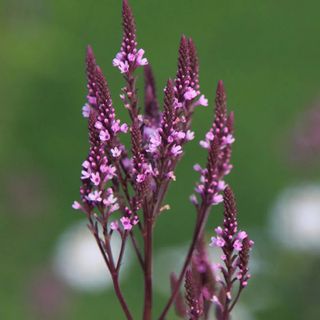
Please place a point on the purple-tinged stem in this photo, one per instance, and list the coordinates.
(147, 311)
(114, 273)
(202, 217)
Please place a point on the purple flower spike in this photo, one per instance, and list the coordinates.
(129, 56)
(236, 247)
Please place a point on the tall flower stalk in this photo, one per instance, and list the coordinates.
(123, 188)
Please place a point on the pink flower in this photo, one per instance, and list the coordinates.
(154, 143)
(76, 205)
(197, 167)
(85, 174)
(92, 100)
(114, 207)
(86, 110)
(179, 135)
(119, 62)
(104, 135)
(140, 61)
(190, 135)
(193, 199)
(114, 225)
(204, 144)
(124, 128)
(242, 235)
(190, 93)
(95, 178)
(217, 242)
(237, 245)
(229, 139)
(95, 196)
(110, 200)
(116, 152)
(131, 57)
(123, 66)
(216, 199)
(86, 164)
(141, 177)
(177, 104)
(203, 101)
(126, 223)
(115, 126)
(109, 171)
(171, 175)
(219, 231)
(176, 150)
(209, 136)
(98, 125)
(221, 185)
(135, 220)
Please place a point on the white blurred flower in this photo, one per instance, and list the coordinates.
(78, 261)
(295, 218)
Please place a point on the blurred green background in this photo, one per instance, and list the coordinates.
(267, 53)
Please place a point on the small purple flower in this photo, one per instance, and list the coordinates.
(242, 235)
(154, 143)
(86, 110)
(104, 135)
(176, 150)
(116, 152)
(114, 225)
(92, 100)
(141, 177)
(229, 139)
(190, 93)
(95, 178)
(219, 231)
(202, 101)
(171, 175)
(140, 61)
(190, 135)
(126, 223)
(76, 205)
(124, 128)
(217, 242)
(237, 245)
(95, 196)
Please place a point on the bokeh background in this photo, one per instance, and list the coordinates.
(267, 53)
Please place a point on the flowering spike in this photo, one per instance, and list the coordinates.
(91, 78)
(150, 96)
(183, 74)
(169, 112)
(129, 57)
(136, 141)
(235, 246)
(104, 96)
(194, 66)
(193, 297)
(230, 211)
(129, 45)
(221, 100)
(91, 65)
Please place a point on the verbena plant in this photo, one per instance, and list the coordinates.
(123, 189)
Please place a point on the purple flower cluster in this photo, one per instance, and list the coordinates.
(123, 188)
(235, 245)
(218, 141)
